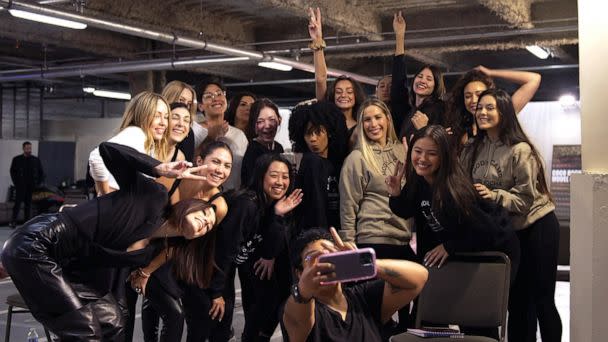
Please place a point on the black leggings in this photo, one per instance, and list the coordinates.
(35, 256)
(168, 308)
(532, 295)
(262, 299)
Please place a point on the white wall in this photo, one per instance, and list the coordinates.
(548, 124)
(8, 150)
(87, 133)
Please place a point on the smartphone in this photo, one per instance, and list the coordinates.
(359, 264)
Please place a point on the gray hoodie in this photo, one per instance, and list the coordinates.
(364, 212)
(511, 173)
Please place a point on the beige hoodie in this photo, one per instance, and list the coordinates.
(510, 172)
(364, 212)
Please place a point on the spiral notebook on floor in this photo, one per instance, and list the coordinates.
(441, 332)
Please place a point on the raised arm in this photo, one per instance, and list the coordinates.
(400, 104)
(528, 81)
(403, 282)
(317, 45)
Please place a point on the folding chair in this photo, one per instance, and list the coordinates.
(471, 289)
(15, 301)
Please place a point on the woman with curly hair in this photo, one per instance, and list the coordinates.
(318, 137)
(462, 102)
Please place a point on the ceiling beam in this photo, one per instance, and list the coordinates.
(340, 15)
(515, 12)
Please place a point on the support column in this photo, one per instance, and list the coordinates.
(589, 191)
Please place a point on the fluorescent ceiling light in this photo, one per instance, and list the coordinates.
(275, 66)
(88, 90)
(112, 94)
(538, 51)
(47, 19)
(567, 100)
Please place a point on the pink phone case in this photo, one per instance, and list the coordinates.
(352, 265)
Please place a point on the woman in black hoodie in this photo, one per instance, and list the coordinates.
(450, 216)
(254, 239)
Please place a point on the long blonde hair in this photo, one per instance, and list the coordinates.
(140, 112)
(174, 89)
(364, 145)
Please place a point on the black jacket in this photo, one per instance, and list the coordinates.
(26, 171)
(320, 208)
(113, 222)
(246, 232)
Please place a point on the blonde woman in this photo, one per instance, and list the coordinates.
(366, 217)
(144, 127)
(178, 91)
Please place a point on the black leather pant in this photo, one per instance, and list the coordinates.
(38, 256)
(168, 308)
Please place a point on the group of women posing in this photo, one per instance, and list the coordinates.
(462, 172)
(471, 179)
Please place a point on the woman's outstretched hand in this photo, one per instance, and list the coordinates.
(288, 203)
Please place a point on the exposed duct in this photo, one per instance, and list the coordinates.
(174, 39)
(409, 76)
(111, 68)
(438, 40)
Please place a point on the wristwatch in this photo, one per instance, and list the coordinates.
(297, 296)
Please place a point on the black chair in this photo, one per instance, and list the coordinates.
(471, 290)
(15, 301)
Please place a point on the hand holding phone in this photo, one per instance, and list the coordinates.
(351, 265)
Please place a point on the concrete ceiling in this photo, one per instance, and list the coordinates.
(453, 34)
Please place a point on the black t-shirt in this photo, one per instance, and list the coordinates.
(363, 317)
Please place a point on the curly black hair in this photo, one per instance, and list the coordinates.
(322, 114)
(299, 243)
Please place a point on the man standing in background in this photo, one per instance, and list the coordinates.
(26, 174)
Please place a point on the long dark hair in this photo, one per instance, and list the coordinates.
(458, 118)
(438, 89)
(256, 182)
(357, 88)
(254, 114)
(193, 261)
(322, 114)
(510, 133)
(233, 105)
(451, 187)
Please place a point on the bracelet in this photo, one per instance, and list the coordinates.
(142, 273)
(317, 45)
(297, 296)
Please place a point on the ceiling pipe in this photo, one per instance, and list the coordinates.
(438, 40)
(111, 68)
(174, 39)
(451, 73)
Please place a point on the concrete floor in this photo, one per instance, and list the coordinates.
(23, 322)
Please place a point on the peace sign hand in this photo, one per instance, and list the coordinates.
(314, 25)
(393, 182)
(193, 173)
